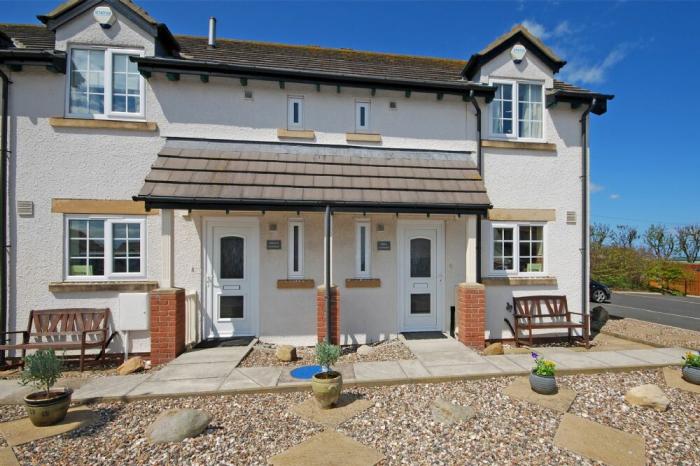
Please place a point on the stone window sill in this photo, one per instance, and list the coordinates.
(295, 134)
(519, 281)
(363, 137)
(146, 126)
(121, 286)
(296, 284)
(522, 145)
(363, 283)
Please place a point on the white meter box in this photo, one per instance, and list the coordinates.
(134, 311)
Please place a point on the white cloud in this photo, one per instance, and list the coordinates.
(614, 196)
(596, 188)
(595, 73)
(560, 30)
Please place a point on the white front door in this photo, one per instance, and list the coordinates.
(422, 276)
(232, 259)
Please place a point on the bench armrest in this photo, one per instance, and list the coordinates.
(84, 333)
(522, 316)
(576, 313)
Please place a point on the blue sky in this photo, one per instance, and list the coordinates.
(645, 162)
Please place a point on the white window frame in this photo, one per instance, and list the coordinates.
(516, 115)
(291, 100)
(367, 225)
(515, 226)
(109, 114)
(359, 127)
(109, 221)
(299, 272)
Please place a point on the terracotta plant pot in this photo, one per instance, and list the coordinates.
(326, 387)
(543, 384)
(47, 411)
(691, 374)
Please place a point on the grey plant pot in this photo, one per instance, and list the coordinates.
(542, 384)
(691, 374)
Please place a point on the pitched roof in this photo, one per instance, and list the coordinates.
(70, 4)
(197, 174)
(28, 36)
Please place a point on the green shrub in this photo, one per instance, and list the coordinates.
(326, 354)
(41, 370)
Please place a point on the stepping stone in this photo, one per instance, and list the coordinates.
(23, 431)
(600, 443)
(674, 379)
(348, 406)
(448, 413)
(561, 401)
(328, 448)
(175, 425)
(7, 457)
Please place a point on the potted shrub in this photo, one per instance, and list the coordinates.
(44, 407)
(691, 367)
(327, 384)
(542, 378)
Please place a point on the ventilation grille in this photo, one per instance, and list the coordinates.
(570, 217)
(25, 208)
(247, 94)
(392, 105)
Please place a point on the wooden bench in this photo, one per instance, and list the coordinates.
(64, 329)
(546, 312)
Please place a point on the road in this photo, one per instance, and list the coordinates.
(677, 311)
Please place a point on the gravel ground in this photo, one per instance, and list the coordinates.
(655, 334)
(263, 354)
(248, 429)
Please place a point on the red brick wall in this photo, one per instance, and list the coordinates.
(471, 314)
(321, 314)
(167, 324)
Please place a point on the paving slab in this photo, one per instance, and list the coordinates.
(328, 448)
(574, 361)
(413, 368)
(7, 457)
(615, 359)
(379, 370)
(523, 360)
(194, 371)
(561, 401)
(237, 381)
(599, 442)
(176, 387)
(674, 378)
(348, 406)
(263, 376)
(506, 364)
(230, 354)
(113, 386)
(23, 431)
(15, 393)
(443, 358)
(460, 370)
(677, 353)
(653, 356)
(346, 370)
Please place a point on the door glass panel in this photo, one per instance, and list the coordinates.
(231, 307)
(420, 257)
(420, 303)
(232, 254)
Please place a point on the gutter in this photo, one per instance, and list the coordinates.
(584, 211)
(3, 208)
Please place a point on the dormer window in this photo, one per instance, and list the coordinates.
(527, 113)
(104, 83)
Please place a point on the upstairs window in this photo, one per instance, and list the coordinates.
(528, 113)
(295, 113)
(295, 267)
(104, 83)
(361, 117)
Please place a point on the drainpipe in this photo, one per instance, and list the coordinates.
(328, 273)
(479, 155)
(584, 209)
(3, 208)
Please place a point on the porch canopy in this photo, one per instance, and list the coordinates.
(223, 175)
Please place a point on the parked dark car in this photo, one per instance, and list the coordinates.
(599, 292)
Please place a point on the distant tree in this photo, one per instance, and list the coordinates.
(660, 241)
(665, 272)
(622, 268)
(600, 233)
(688, 237)
(624, 236)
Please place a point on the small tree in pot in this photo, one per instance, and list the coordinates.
(691, 367)
(542, 378)
(44, 407)
(327, 384)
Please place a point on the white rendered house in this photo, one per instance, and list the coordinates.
(187, 183)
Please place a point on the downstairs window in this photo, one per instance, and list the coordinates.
(517, 249)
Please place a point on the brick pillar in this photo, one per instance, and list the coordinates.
(321, 314)
(167, 324)
(471, 314)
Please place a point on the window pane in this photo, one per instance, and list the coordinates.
(119, 103)
(77, 228)
(96, 104)
(119, 230)
(134, 265)
(133, 105)
(79, 60)
(231, 307)
(295, 118)
(96, 248)
(119, 63)
(97, 229)
(77, 248)
(420, 303)
(232, 257)
(420, 257)
(134, 247)
(363, 247)
(78, 103)
(508, 248)
(295, 246)
(119, 266)
(97, 60)
(96, 266)
(537, 233)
